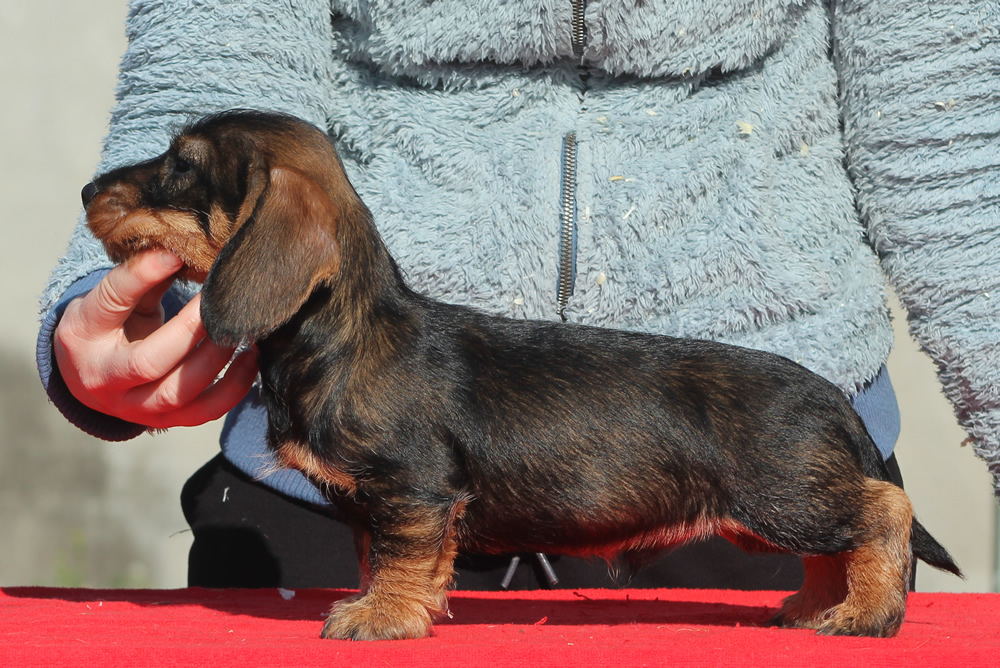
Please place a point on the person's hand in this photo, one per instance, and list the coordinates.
(117, 356)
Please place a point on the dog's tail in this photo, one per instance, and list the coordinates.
(928, 550)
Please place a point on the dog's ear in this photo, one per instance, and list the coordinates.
(276, 258)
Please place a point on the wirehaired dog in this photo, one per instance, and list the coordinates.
(439, 429)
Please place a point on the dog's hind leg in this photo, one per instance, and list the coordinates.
(824, 587)
(878, 571)
(863, 591)
(406, 562)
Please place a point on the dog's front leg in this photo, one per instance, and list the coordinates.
(407, 557)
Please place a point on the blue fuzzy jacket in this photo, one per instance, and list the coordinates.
(742, 170)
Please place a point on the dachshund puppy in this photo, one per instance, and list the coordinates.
(439, 429)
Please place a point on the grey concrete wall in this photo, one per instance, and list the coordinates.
(77, 511)
(73, 510)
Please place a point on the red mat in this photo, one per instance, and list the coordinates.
(199, 627)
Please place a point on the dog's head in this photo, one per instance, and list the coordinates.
(250, 201)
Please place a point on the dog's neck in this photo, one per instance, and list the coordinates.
(368, 279)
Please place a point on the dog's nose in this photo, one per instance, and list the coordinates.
(88, 193)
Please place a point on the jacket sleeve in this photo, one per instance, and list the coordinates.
(187, 58)
(920, 90)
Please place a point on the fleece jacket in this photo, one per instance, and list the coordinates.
(751, 171)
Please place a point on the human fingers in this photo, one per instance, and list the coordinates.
(138, 283)
(156, 355)
(186, 381)
(214, 401)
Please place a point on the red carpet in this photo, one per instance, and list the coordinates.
(198, 627)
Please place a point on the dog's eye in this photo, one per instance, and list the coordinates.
(181, 166)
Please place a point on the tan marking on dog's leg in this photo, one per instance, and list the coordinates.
(445, 572)
(410, 569)
(878, 571)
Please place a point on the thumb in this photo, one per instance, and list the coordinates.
(138, 283)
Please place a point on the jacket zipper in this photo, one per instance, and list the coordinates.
(579, 32)
(567, 226)
(567, 213)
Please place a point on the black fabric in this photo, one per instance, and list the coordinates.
(248, 535)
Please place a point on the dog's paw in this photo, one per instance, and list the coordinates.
(847, 621)
(837, 622)
(785, 621)
(800, 611)
(377, 618)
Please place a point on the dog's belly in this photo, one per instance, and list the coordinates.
(561, 527)
(606, 544)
